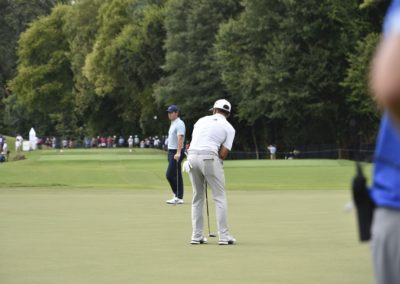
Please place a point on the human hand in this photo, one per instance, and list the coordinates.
(177, 156)
(186, 166)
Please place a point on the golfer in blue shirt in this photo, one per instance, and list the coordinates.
(385, 190)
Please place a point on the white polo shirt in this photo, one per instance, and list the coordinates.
(210, 132)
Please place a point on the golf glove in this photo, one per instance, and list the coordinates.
(186, 166)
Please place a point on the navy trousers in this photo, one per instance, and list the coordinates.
(174, 173)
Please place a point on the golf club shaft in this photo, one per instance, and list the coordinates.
(177, 180)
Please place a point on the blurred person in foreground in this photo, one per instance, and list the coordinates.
(212, 139)
(385, 190)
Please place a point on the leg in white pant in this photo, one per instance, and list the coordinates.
(206, 167)
(197, 180)
(216, 179)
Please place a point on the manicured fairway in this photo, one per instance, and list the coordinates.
(80, 230)
(145, 169)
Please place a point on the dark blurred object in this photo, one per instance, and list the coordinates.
(364, 204)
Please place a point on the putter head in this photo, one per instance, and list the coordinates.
(212, 235)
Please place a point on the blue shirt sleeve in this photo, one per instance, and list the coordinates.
(391, 24)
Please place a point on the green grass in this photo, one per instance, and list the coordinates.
(99, 216)
(145, 169)
(10, 143)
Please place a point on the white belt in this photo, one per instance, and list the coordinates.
(194, 152)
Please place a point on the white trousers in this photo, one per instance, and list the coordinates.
(208, 168)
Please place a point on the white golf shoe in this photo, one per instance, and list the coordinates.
(202, 241)
(175, 200)
(172, 200)
(230, 241)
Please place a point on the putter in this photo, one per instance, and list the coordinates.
(177, 181)
(208, 213)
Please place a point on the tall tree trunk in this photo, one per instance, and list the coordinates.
(253, 134)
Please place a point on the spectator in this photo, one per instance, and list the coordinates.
(114, 141)
(18, 143)
(156, 142)
(109, 142)
(5, 150)
(121, 141)
(130, 143)
(53, 142)
(272, 151)
(1, 142)
(136, 141)
(102, 142)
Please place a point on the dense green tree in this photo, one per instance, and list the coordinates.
(295, 72)
(362, 108)
(284, 60)
(364, 114)
(192, 78)
(44, 81)
(80, 29)
(125, 63)
(15, 15)
(241, 45)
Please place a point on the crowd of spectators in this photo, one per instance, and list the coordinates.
(104, 142)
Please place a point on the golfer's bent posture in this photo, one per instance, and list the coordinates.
(176, 136)
(212, 140)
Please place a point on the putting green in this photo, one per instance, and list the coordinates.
(104, 220)
(122, 236)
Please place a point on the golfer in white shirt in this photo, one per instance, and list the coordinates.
(212, 140)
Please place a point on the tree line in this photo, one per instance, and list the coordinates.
(296, 72)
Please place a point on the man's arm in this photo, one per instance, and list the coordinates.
(223, 152)
(177, 156)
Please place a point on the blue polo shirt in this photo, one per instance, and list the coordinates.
(385, 189)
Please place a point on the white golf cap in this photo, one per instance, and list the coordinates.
(222, 104)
